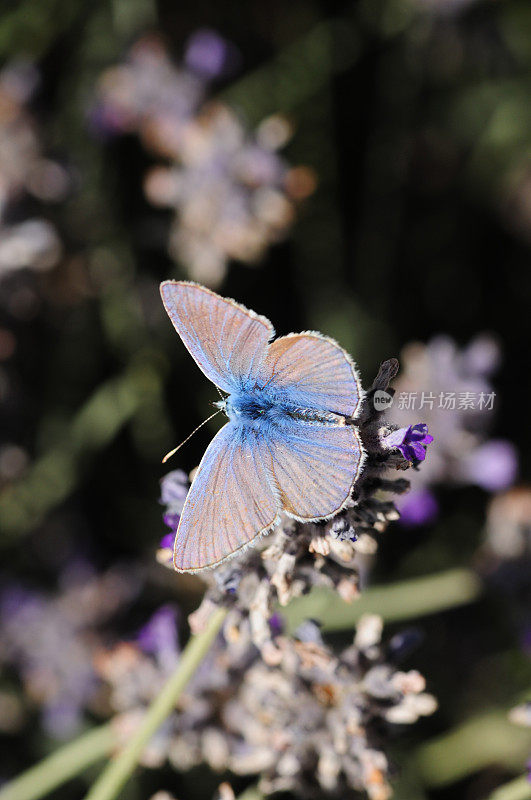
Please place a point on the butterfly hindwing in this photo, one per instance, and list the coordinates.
(231, 500)
(314, 372)
(227, 341)
(314, 467)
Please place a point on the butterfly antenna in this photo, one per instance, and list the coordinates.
(220, 392)
(172, 452)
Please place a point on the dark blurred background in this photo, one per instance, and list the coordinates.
(413, 123)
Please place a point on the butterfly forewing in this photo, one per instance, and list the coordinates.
(227, 341)
(312, 372)
(231, 500)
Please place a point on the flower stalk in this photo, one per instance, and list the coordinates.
(118, 771)
(63, 764)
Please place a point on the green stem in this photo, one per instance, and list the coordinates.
(57, 768)
(416, 597)
(519, 789)
(118, 771)
(477, 743)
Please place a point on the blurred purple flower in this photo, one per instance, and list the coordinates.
(418, 507)
(436, 379)
(208, 54)
(168, 538)
(173, 491)
(411, 441)
(52, 640)
(41, 640)
(493, 465)
(174, 488)
(171, 519)
(158, 637)
(232, 194)
(165, 550)
(276, 624)
(145, 90)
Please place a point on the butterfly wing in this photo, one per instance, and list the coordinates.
(231, 500)
(312, 371)
(227, 341)
(314, 467)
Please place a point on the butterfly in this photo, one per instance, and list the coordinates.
(287, 447)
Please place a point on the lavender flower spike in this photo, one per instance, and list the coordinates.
(411, 441)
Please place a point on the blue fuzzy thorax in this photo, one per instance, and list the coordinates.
(248, 407)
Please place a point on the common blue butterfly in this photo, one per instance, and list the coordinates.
(287, 446)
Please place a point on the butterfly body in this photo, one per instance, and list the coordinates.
(259, 407)
(289, 445)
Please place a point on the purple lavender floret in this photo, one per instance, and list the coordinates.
(171, 519)
(276, 624)
(411, 441)
(168, 538)
(173, 491)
